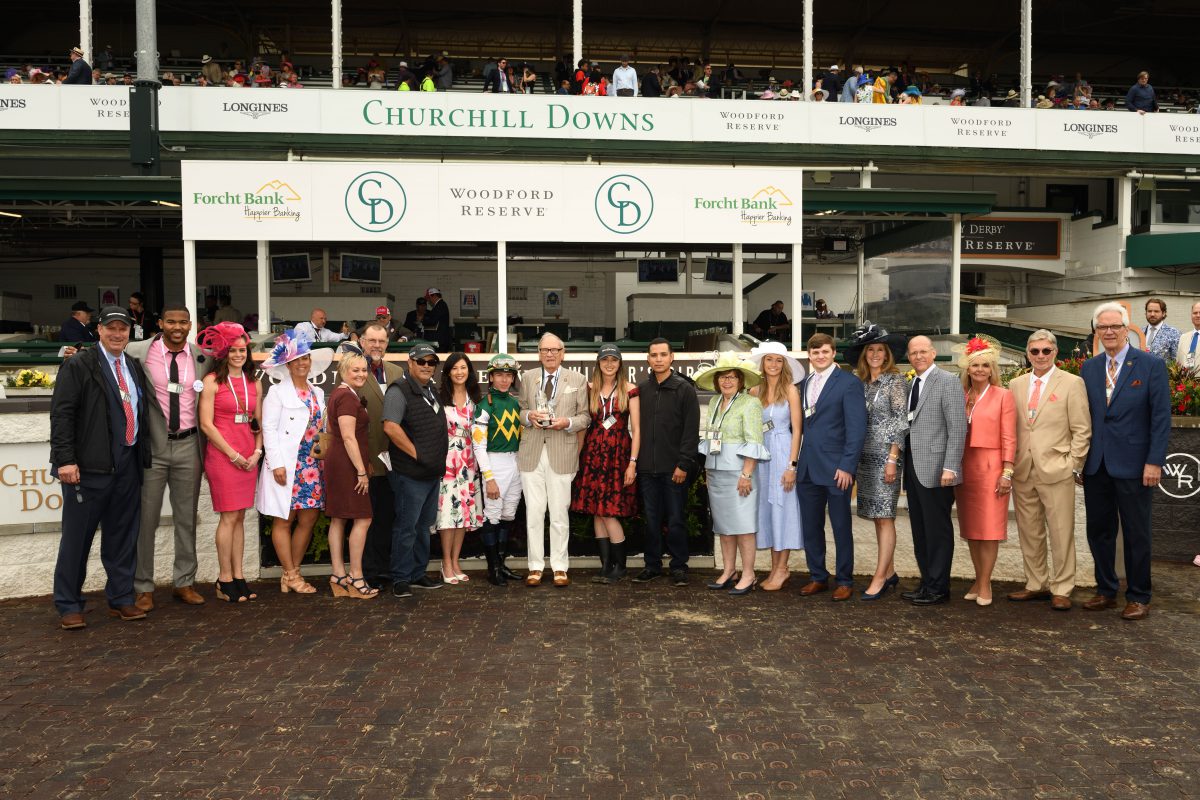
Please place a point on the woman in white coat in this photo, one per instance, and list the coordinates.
(290, 485)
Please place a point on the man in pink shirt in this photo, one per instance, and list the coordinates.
(174, 369)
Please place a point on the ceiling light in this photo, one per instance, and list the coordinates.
(10, 214)
(167, 203)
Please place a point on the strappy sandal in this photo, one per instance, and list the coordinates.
(228, 591)
(337, 585)
(361, 590)
(244, 589)
(293, 582)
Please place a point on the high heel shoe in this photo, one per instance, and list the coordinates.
(361, 590)
(244, 589)
(337, 585)
(890, 583)
(227, 591)
(971, 596)
(720, 585)
(292, 582)
(452, 580)
(983, 601)
(736, 592)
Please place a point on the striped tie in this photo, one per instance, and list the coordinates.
(1112, 380)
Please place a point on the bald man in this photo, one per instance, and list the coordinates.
(315, 328)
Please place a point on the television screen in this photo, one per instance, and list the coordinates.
(658, 270)
(718, 270)
(290, 268)
(357, 268)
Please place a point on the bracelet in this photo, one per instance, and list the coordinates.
(893, 462)
(789, 469)
(1004, 477)
(633, 459)
(236, 457)
(1008, 473)
(362, 474)
(746, 477)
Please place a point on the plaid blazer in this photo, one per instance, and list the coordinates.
(938, 431)
(571, 401)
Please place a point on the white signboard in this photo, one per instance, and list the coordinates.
(28, 492)
(968, 126)
(33, 108)
(455, 202)
(1113, 131)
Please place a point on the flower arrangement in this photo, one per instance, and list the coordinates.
(908, 376)
(30, 379)
(1185, 390)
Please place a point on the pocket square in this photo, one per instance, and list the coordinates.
(1053, 397)
(1136, 383)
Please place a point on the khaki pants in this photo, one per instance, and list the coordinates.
(1046, 515)
(544, 488)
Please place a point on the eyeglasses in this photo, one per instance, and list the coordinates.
(729, 376)
(1043, 351)
(550, 350)
(426, 362)
(1109, 328)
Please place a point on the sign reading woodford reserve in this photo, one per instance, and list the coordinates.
(472, 202)
(996, 237)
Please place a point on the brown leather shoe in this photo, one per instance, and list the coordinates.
(1100, 602)
(561, 579)
(533, 579)
(127, 613)
(186, 594)
(72, 622)
(1136, 611)
(1028, 594)
(1060, 602)
(144, 601)
(842, 593)
(812, 587)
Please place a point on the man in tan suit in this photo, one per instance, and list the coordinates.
(1187, 352)
(554, 411)
(378, 552)
(1054, 429)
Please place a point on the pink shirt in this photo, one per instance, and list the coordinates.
(158, 368)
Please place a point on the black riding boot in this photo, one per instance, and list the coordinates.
(605, 561)
(495, 576)
(504, 569)
(617, 571)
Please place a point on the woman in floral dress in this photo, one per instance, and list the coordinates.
(460, 503)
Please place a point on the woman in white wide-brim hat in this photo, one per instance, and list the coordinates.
(732, 446)
(291, 484)
(779, 527)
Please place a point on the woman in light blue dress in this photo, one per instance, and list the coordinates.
(778, 503)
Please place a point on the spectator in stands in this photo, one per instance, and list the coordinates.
(772, 323)
(81, 71)
(651, 87)
(958, 97)
(832, 82)
(818, 95)
(97, 78)
(883, 87)
(12, 76)
(437, 321)
(850, 86)
(564, 86)
(866, 89)
(210, 69)
(427, 83)
(78, 328)
(1043, 102)
(145, 322)
(315, 328)
(104, 60)
(670, 87)
(711, 83)
(405, 77)
(444, 75)
(489, 67)
(596, 85)
(498, 80)
(1140, 97)
(1012, 99)
(528, 78)
(822, 310)
(625, 80)
(226, 312)
(414, 321)
(911, 96)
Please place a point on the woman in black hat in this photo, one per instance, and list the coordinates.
(873, 352)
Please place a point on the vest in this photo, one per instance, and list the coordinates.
(427, 431)
(504, 422)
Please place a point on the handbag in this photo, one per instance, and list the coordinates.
(324, 440)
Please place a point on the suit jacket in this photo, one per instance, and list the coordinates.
(1133, 428)
(993, 424)
(1184, 346)
(155, 420)
(834, 434)
(491, 82)
(377, 440)
(571, 402)
(1165, 341)
(86, 409)
(1052, 445)
(938, 431)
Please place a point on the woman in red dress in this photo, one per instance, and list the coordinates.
(604, 486)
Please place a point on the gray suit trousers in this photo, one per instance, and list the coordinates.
(178, 468)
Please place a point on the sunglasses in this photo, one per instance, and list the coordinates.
(426, 362)
(1044, 351)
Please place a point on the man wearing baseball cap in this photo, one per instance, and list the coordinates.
(832, 82)
(97, 416)
(77, 328)
(383, 316)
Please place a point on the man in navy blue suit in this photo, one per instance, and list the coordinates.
(835, 427)
(1130, 398)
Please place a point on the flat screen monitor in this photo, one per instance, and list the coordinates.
(290, 268)
(358, 268)
(658, 270)
(718, 270)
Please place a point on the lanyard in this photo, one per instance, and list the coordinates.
(607, 403)
(553, 376)
(1110, 377)
(240, 409)
(978, 400)
(426, 395)
(713, 422)
(167, 366)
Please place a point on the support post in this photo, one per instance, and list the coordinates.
(687, 273)
(576, 32)
(956, 274)
(861, 316)
(797, 296)
(1026, 53)
(264, 286)
(739, 321)
(337, 44)
(325, 270)
(189, 283)
(501, 297)
(85, 30)
(808, 48)
(1124, 215)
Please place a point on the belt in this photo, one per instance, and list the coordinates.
(181, 434)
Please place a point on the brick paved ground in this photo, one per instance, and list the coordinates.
(603, 692)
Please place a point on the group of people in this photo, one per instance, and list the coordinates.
(391, 454)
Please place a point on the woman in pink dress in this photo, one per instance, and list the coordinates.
(229, 413)
(987, 462)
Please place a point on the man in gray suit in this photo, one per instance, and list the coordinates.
(937, 431)
(554, 411)
(174, 370)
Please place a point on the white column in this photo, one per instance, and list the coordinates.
(739, 321)
(85, 29)
(862, 284)
(808, 48)
(189, 282)
(501, 297)
(687, 273)
(797, 308)
(1026, 53)
(337, 44)
(264, 286)
(956, 273)
(1124, 215)
(576, 32)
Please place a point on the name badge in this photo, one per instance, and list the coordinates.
(125, 397)
(1032, 414)
(609, 421)
(174, 388)
(138, 333)
(714, 447)
(768, 426)
(197, 386)
(912, 415)
(1190, 360)
(241, 418)
(808, 412)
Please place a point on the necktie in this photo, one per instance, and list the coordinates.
(915, 395)
(380, 375)
(173, 397)
(1035, 395)
(1112, 380)
(1150, 338)
(814, 389)
(548, 388)
(126, 402)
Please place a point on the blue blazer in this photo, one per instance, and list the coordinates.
(1133, 429)
(834, 434)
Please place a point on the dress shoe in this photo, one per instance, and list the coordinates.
(1136, 611)
(890, 583)
(647, 575)
(1028, 594)
(144, 601)
(533, 579)
(983, 601)
(186, 594)
(1100, 602)
(971, 596)
(561, 579)
(425, 582)
(679, 577)
(72, 622)
(1060, 602)
(813, 587)
(913, 594)
(719, 585)
(842, 593)
(736, 592)
(127, 613)
(930, 599)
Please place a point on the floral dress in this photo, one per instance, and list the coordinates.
(599, 487)
(460, 502)
(308, 489)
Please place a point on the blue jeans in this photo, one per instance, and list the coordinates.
(416, 511)
(663, 497)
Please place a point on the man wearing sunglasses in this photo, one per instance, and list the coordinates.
(1054, 428)
(414, 422)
